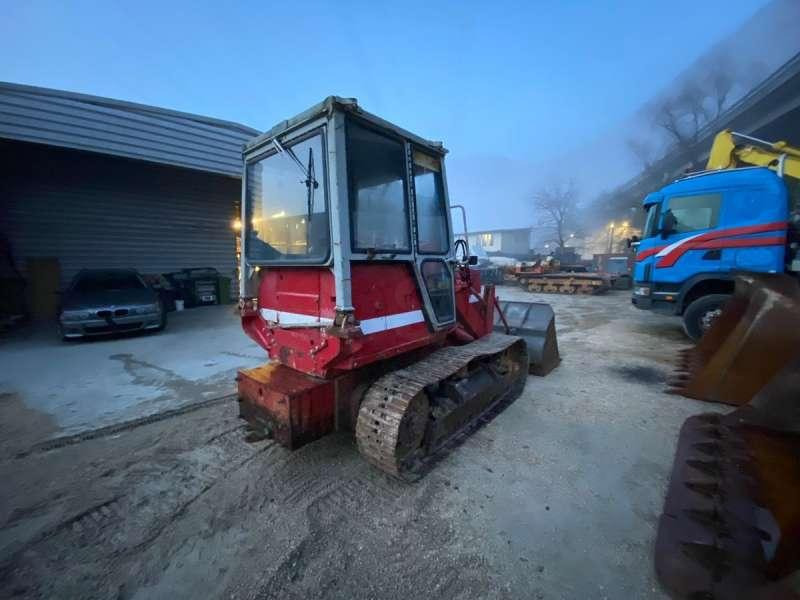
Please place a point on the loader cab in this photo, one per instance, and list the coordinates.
(336, 188)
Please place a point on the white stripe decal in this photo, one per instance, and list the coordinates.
(387, 322)
(368, 326)
(290, 319)
(674, 245)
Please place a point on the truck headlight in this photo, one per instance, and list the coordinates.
(75, 315)
(642, 291)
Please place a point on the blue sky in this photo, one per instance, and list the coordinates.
(506, 85)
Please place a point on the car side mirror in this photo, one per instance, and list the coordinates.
(473, 260)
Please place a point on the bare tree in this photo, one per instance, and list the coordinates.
(643, 150)
(698, 100)
(720, 82)
(557, 205)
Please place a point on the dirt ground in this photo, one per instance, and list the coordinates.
(558, 497)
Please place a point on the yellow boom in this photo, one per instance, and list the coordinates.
(731, 150)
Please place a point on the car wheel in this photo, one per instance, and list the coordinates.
(701, 314)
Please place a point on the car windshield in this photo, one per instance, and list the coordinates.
(108, 281)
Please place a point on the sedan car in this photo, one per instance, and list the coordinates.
(108, 301)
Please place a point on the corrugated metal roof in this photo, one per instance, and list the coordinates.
(83, 122)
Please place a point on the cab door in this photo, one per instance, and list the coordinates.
(432, 238)
(686, 217)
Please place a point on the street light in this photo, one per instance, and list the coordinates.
(611, 237)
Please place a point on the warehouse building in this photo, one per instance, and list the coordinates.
(88, 182)
(514, 243)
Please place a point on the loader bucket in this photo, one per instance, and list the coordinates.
(731, 521)
(534, 322)
(756, 335)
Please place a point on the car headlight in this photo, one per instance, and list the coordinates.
(642, 291)
(75, 315)
(145, 309)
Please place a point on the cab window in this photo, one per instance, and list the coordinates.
(286, 205)
(651, 224)
(695, 212)
(378, 204)
(432, 235)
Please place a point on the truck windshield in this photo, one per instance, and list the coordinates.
(286, 206)
(651, 224)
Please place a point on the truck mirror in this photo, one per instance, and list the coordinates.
(473, 260)
(668, 223)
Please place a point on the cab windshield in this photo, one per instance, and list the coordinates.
(286, 204)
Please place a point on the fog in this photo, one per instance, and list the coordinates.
(498, 189)
(523, 94)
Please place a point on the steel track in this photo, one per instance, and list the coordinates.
(389, 398)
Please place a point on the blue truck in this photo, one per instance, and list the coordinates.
(740, 215)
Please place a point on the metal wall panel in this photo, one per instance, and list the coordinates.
(82, 122)
(95, 211)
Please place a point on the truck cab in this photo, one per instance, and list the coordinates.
(700, 231)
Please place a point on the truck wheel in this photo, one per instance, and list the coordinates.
(700, 314)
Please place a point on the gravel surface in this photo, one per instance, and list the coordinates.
(558, 497)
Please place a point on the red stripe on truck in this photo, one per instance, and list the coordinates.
(671, 258)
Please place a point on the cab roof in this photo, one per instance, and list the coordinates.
(761, 177)
(349, 105)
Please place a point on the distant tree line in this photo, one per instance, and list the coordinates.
(678, 117)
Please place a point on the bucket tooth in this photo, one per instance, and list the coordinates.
(708, 448)
(710, 519)
(712, 558)
(712, 468)
(706, 489)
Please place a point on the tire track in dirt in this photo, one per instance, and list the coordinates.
(148, 499)
(93, 434)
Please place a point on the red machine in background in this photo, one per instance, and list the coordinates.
(372, 317)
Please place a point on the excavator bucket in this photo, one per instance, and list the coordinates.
(731, 521)
(754, 337)
(535, 322)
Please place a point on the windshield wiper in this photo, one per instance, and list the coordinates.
(309, 180)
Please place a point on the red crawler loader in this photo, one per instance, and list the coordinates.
(373, 320)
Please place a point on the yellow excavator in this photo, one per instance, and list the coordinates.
(732, 150)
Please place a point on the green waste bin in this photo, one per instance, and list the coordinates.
(224, 290)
